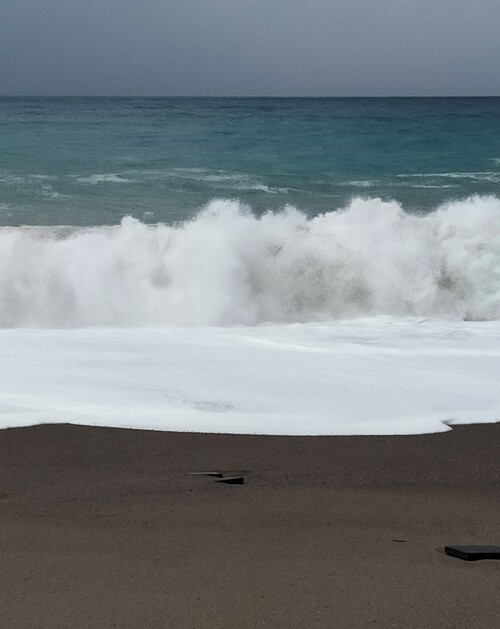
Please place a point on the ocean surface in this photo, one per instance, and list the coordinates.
(285, 266)
(90, 161)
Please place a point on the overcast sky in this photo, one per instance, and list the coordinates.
(250, 47)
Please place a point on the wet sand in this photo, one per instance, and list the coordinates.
(104, 528)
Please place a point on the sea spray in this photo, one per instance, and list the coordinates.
(229, 267)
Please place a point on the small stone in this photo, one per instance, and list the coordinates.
(232, 480)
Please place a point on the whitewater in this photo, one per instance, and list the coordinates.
(229, 267)
(366, 320)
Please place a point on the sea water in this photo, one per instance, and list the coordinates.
(284, 266)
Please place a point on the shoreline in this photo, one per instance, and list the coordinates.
(448, 426)
(104, 527)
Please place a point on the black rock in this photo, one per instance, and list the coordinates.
(473, 553)
(217, 474)
(232, 480)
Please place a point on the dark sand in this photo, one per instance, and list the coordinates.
(103, 528)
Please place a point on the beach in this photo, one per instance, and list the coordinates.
(103, 527)
(300, 291)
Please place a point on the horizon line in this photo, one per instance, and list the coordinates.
(243, 97)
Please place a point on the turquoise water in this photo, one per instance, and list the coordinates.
(90, 161)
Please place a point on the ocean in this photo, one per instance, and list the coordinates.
(261, 265)
(91, 161)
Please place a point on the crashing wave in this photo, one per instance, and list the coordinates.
(228, 267)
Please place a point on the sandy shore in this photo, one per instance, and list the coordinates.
(104, 528)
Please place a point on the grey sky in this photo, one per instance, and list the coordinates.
(250, 47)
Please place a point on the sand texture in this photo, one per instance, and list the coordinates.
(104, 527)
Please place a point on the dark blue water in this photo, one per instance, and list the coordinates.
(90, 161)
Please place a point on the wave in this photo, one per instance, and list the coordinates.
(475, 177)
(359, 183)
(392, 184)
(103, 178)
(229, 267)
(213, 179)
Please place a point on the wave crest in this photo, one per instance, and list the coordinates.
(228, 267)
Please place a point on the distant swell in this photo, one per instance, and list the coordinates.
(229, 267)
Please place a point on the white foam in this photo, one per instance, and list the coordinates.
(222, 179)
(26, 179)
(104, 178)
(229, 267)
(179, 342)
(482, 176)
(380, 376)
(360, 183)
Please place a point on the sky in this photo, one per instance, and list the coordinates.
(250, 47)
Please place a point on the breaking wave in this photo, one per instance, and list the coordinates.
(229, 267)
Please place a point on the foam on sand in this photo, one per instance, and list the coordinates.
(378, 376)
